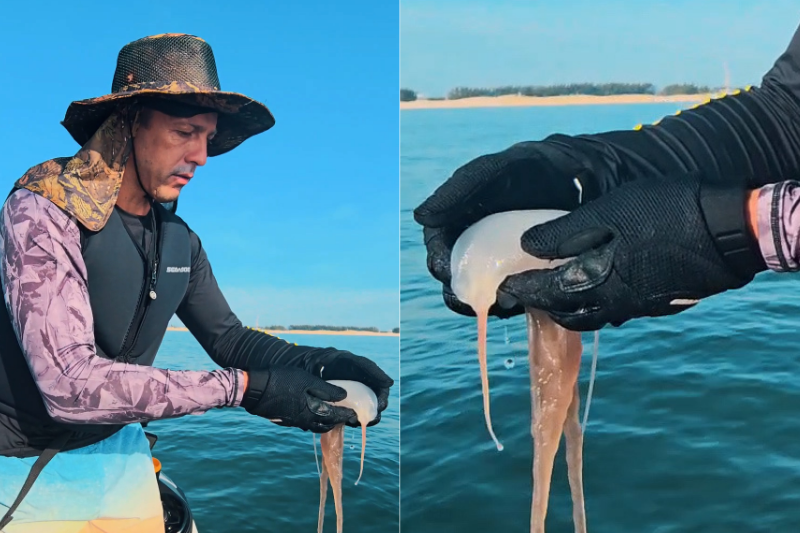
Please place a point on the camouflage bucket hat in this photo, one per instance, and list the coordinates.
(180, 67)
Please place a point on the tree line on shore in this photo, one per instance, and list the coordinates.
(325, 328)
(592, 89)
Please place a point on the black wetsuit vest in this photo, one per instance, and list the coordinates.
(133, 297)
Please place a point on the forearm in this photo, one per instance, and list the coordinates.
(774, 215)
(753, 134)
(44, 286)
(207, 314)
(205, 311)
(255, 350)
(233, 345)
(80, 387)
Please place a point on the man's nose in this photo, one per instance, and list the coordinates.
(199, 155)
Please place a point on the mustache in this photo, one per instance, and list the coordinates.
(184, 169)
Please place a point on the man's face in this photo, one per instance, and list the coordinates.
(169, 149)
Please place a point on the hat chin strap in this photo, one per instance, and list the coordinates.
(138, 175)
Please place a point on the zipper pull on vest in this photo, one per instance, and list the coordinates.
(153, 280)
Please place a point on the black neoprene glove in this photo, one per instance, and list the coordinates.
(637, 249)
(254, 350)
(341, 364)
(293, 397)
(529, 175)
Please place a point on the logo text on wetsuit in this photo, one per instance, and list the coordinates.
(178, 270)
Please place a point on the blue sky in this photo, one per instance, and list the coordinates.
(486, 43)
(300, 223)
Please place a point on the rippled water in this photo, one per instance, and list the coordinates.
(694, 424)
(243, 473)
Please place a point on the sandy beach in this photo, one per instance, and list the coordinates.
(279, 332)
(527, 101)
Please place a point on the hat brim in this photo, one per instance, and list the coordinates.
(240, 117)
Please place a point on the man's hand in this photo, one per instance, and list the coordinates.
(531, 175)
(293, 397)
(340, 364)
(643, 249)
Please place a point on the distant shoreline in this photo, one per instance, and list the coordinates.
(279, 332)
(565, 100)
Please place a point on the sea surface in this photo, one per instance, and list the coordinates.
(243, 473)
(695, 421)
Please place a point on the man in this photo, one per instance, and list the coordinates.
(94, 267)
(661, 216)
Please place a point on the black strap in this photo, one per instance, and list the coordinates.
(723, 206)
(55, 446)
(151, 438)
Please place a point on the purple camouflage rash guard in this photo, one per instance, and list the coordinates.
(45, 290)
(778, 221)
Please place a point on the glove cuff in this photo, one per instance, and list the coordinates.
(256, 386)
(724, 208)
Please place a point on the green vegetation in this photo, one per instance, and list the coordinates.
(592, 89)
(396, 330)
(407, 95)
(685, 88)
(333, 328)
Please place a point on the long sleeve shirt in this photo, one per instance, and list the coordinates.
(751, 135)
(44, 282)
(778, 222)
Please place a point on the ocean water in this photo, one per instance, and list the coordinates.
(695, 420)
(245, 474)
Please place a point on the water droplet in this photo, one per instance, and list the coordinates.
(509, 363)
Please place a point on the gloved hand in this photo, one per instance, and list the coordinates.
(293, 397)
(638, 248)
(530, 175)
(341, 364)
